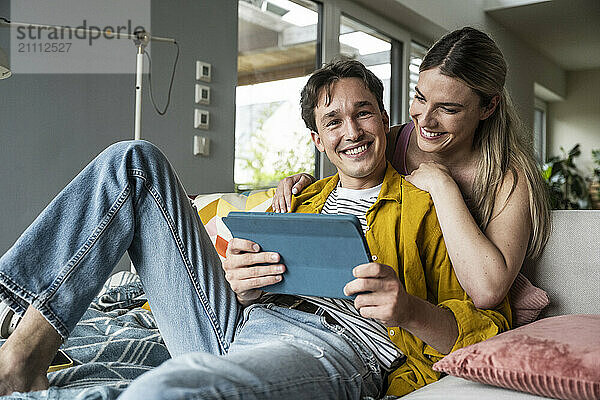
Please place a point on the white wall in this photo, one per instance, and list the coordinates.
(577, 119)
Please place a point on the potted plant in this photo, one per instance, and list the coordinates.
(568, 189)
(595, 181)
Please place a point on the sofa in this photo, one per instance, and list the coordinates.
(568, 271)
(117, 339)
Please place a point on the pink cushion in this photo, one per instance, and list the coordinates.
(526, 301)
(555, 357)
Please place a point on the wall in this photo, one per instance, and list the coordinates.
(577, 119)
(51, 126)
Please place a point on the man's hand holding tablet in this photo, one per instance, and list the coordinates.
(305, 254)
(248, 269)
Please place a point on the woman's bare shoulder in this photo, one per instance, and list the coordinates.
(392, 138)
(512, 193)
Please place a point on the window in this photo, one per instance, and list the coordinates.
(540, 111)
(277, 51)
(281, 42)
(417, 52)
(373, 49)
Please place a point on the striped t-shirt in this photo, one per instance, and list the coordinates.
(371, 332)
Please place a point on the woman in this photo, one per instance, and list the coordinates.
(465, 147)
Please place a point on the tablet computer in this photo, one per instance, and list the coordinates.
(318, 250)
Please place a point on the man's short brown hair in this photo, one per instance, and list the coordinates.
(326, 76)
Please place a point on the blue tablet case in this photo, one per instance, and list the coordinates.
(318, 250)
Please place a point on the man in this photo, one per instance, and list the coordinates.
(342, 105)
(232, 341)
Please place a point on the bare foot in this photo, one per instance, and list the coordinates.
(27, 353)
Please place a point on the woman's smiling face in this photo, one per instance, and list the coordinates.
(446, 113)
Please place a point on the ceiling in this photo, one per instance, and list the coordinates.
(566, 31)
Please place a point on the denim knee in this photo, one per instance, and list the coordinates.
(139, 148)
(186, 376)
(130, 155)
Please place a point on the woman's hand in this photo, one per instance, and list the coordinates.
(282, 201)
(429, 176)
(247, 269)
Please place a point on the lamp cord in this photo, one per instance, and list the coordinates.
(163, 112)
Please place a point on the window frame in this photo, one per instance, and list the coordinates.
(542, 106)
(421, 52)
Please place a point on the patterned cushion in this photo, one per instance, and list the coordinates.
(213, 207)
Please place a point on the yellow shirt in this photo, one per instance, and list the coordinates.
(404, 233)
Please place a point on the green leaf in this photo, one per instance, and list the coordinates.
(567, 187)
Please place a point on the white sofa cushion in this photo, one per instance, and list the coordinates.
(569, 268)
(453, 388)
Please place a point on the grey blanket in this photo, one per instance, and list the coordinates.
(115, 342)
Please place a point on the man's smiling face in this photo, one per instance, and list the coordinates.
(352, 132)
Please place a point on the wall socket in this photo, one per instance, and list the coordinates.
(201, 119)
(203, 71)
(202, 94)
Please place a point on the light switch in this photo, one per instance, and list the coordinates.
(201, 119)
(201, 146)
(203, 71)
(202, 94)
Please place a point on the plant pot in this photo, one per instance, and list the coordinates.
(595, 195)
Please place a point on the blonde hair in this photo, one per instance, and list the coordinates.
(472, 56)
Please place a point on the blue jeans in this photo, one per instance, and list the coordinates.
(129, 199)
